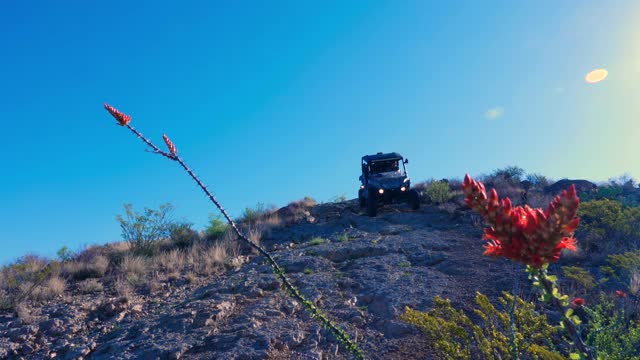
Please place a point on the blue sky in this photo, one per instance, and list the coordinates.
(272, 101)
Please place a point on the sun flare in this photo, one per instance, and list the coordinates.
(596, 75)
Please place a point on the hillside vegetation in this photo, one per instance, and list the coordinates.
(405, 284)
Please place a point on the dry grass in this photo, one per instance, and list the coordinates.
(208, 259)
(255, 235)
(123, 288)
(171, 262)
(306, 202)
(634, 282)
(52, 287)
(134, 267)
(23, 312)
(86, 267)
(90, 286)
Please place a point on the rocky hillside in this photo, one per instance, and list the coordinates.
(363, 271)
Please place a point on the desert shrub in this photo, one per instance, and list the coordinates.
(24, 313)
(317, 241)
(453, 335)
(216, 228)
(538, 180)
(437, 192)
(250, 216)
(307, 202)
(512, 174)
(612, 333)
(606, 224)
(143, 230)
(134, 268)
(64, 253)
(634, 282)
(49, 289)
(182, 235)
(86, 267)
(24, 279)
(171, 262)
(339, 198)
(90, 286)
(122, 288)
(623, 266)
(207, 259)
(579, 276)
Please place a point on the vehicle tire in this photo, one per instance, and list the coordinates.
(372, 203)
(361, 200)
(414, 199)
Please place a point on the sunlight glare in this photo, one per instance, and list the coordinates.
(596, 75)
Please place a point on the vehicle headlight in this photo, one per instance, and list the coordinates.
(361, 186)
(403, 188)
(381, 191)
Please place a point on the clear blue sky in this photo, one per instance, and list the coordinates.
(272, 101)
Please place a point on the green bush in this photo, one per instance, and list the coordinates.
(606, 223)
(452, 334)
(580, 276)
(142, 231)
(513, 174)
(623, 265)
(216, 228)
(250, 216)
(64, 254)
(183, 235)
(317, 241)
(339, 198)
(438, 192)
(612, 334)
(538, 180)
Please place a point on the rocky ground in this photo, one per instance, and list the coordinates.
(363, 276)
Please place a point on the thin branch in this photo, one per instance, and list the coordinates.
(316, 312)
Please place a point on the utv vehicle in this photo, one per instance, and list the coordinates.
(382, 182)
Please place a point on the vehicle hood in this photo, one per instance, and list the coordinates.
(388, 180)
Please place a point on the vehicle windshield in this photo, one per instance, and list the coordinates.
(385, 166)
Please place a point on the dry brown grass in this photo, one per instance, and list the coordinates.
(50, 288)
(255, 235)
(170, 262)
(634, 282)
(306, 202)
(123, 288)
(90, 286)
(134, 267)
(208, 259)
(24, 313)
(86, 267)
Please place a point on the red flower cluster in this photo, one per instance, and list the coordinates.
(577, 302)
(170, 146)
(122, 118)
(621, 294)
(531, 236)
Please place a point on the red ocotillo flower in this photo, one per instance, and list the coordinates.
(531, 236)
(170, 146)
(121, 117)
(621, 294)
(577, 302)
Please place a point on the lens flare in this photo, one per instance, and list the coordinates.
(596, 75)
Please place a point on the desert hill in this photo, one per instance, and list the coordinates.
(204, 301)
